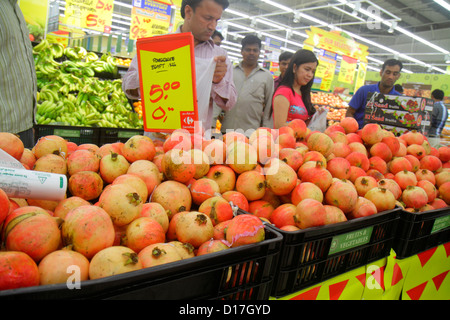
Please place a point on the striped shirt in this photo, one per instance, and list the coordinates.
(17, 71)
(254, 103)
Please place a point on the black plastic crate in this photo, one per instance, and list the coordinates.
(112, 135)
(313, 255)
(78, 135)
(420, 231)
(242, 273)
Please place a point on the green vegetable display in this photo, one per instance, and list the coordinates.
(70, 91)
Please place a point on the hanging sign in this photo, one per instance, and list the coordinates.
(90, 14)
(336, 42)
(167, 82)
(149, 18)
(361, 76)
(325, 71)
(347, 70)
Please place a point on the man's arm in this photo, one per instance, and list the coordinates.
(350, 112)
(224, 91)
(267, 120)
(130, 81)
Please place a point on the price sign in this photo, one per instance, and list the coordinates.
(94, 14)
(325, 71)
(149, 18)
(167, 82)
(347, 70)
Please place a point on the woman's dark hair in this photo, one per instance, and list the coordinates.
(194, 3)
(302, 56)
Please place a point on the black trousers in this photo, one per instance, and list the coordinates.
(27, 138)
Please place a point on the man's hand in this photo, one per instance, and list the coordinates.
(221, 69)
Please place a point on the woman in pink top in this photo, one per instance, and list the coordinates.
(292, 100)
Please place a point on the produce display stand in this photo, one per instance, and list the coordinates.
(424, 276)
(241, 273)
(420, 231)
(315, 254)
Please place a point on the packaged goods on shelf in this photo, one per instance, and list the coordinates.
(411, 113)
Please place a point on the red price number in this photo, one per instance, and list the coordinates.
(157, 93)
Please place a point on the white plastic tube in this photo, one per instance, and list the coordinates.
(30, 184)
(18, 182)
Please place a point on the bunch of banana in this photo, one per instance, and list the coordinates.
(57, 50)
(100, 66)
(75, 53)
(47, 94)
(91, 56)
(48, 69)
(44, 44)
(70, 80)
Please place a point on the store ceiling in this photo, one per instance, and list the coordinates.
(423, 18)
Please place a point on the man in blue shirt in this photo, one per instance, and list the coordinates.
(438, 118)
(390, 72)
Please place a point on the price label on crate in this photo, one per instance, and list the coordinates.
(167, 82)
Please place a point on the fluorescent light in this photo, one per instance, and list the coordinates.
(240, 26)
(279, 6)
(428, 43)
(270, 24)
(237, 13)
(443, 3)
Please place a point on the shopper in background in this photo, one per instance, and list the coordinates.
(18, 86)
(398, 87)
(390, 72)
(438, 118)
(292, 100)
(283, 62)
(255, 90)
(200, 18)
(217, 38)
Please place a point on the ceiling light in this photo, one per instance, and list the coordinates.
(297, 17)
(392, 27)
(236, 13)
(288, 33)
(447, 58)
(356, 9)
(443, 3)
(280, 6)
(428, 43)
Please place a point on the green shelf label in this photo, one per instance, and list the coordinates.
(67, 133)
(440, 223)
(350, 240)
(127, 134)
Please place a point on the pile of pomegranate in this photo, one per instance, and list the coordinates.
(145, 203)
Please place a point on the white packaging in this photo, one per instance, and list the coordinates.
(18, 182)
